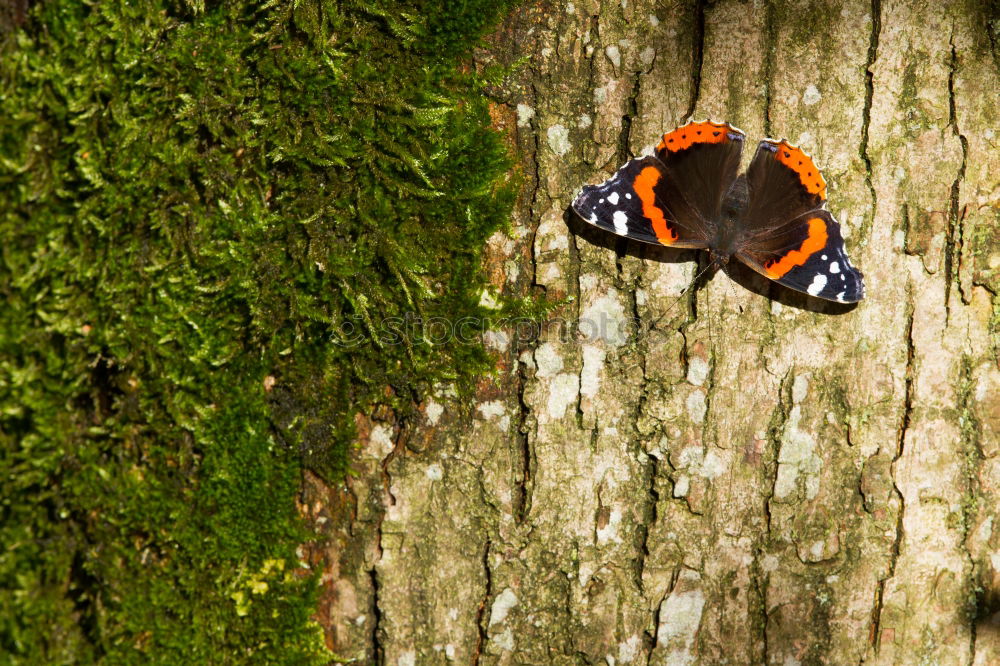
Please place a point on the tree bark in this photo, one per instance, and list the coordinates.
(734, 475)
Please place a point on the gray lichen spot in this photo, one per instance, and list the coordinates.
(434, 412)
(601, 93)
(629, 650)
(590, 377)
(502, 605)
(562, 393)
(504, 640)
(696, 406)
(811, 95)
(497, 340)
(604, 319)
(800, 387)
(548, 362)
(694, 460)
(797, 457)
(614, 55)
(697, 370)
(524, 115)
(682, 486)
(488, 300)
(381, 438)
(680, 618)
(559, 139)
(492, 409)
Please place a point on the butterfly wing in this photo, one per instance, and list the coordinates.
(702, 159)
(673, 198)
(789, 237)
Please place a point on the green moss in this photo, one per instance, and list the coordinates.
(199, 203)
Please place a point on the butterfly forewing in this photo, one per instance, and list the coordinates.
(783, 183)
(674, 198)
(702, 159)
(640, 202)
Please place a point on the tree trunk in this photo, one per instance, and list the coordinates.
(742, 475)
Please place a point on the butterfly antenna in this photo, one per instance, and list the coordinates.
(732, 287)
(684, 292)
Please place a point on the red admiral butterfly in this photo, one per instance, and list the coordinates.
(771, 218)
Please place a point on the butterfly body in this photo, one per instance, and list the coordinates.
(772, 218)
(726, 234)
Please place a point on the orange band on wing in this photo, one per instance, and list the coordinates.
(813, 243)
(692, 133)
(804, 168)
(643, 186)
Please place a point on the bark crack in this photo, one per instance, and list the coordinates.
(631, 111)
(757, 574)
(774, 434)
(652, 467)
(649, 517)
(698, 55)
(378, 652)
(522, 495)
(992, 28)
(875, 636)
(971, 428)
(766, 649)
(866, 113)
(953, 249)
(770, 45)
(481, 611)
(655, 638)
(522, 498)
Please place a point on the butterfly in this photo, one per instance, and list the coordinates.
(772, 218)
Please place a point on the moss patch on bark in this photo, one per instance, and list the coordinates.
(209, 214)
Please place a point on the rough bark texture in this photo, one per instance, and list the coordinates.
(747, 476)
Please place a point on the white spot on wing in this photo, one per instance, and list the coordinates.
(843, 278)
(628, 195)
(817, 284)
(840, 296)
(823, 257)
(621, 223)
(613, 198)
(834, 267)
(593, 218)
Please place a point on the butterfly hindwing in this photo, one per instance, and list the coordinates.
(807, 254)
(639, 202)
